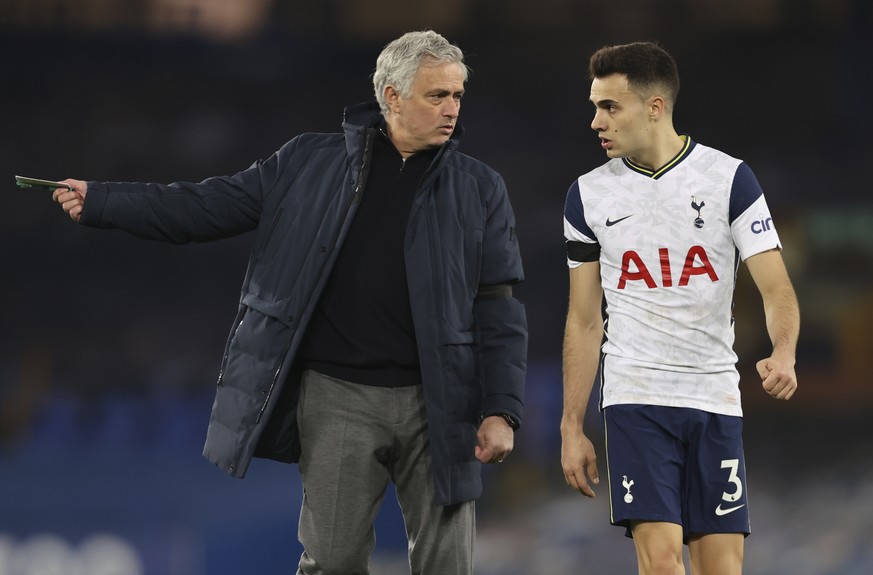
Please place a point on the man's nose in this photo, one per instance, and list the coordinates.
(453, 108)
(597, 123)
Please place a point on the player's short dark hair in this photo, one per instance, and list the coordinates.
(647, 67)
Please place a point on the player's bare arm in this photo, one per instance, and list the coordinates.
(782, 314)
(72, 201)
(582, 339)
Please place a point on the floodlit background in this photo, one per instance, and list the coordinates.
(111, 345)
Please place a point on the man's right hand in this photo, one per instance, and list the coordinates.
(579, 462)
(72, 201)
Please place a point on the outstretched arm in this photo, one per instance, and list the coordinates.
(582, 339)
(180, 212)
(782, 314)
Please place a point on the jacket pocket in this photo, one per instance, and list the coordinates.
(473, 258)
(250, 372)
(462, 388)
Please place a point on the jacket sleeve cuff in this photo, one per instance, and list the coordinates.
(95, 204)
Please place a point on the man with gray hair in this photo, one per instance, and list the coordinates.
(377, 338)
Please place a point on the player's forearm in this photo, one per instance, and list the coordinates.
(580, 362)
(782, 314)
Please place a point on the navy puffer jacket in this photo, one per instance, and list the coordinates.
(461, 257)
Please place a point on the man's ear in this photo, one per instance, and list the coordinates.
(657, 107)
(392, 97)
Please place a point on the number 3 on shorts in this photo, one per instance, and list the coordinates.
(734, 466)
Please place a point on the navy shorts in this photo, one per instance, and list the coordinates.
(677, 465)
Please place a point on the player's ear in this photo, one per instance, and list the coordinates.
(657, 107)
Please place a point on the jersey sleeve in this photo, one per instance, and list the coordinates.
(582, 244)
(751, 223)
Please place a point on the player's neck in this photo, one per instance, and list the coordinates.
(663, 148)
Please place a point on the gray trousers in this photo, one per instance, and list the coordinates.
(355, 439)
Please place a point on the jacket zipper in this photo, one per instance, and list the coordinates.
(269, 236)
(362, 179)
(227, 352)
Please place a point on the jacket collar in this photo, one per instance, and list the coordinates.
(359, 117)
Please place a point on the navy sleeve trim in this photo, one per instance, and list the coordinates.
(574, 213)
(745, 191)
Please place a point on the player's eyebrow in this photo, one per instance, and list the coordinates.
(605, 103)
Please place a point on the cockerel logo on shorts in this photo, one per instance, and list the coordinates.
(627, 485)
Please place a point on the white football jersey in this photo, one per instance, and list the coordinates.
(669, 244)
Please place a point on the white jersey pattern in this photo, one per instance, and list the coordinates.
(669, 246)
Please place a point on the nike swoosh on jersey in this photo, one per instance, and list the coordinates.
(719, 511)
(613, 222)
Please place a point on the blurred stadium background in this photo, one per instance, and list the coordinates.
(110, 345)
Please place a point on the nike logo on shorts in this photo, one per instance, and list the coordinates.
(613, 222)
(719, 511)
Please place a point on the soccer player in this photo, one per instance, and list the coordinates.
(659, 231)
